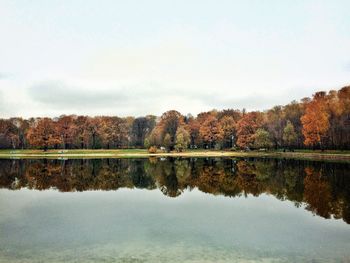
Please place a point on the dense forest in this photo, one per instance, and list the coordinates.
(320, 122)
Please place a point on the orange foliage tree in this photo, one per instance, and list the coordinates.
(193, 127)
(114, 131)
(229, 130)
(246, 128)
(92, 131)
(315, 120)
(211, 131)
(67, 129)
(44, 134)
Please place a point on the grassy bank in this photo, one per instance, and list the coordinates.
(130, 153)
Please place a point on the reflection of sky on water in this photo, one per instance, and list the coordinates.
(135, 225)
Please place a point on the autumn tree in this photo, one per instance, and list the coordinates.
(246, 128)
(344, 99)
(92, 131)
(44, 134)
(344, 122)
(67, 130)
(203, 116)
(193, 128)
(274, 123)
(211, 131)
(81, 138)
(315, 121)
(229, 130)
(234, 114)
(114, 131)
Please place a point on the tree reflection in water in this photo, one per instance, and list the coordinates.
(324, 188)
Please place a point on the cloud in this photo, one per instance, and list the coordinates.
(250, 60)
(57, 94)
(149, 98)
(152, 98)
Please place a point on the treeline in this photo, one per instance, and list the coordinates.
(320, 122)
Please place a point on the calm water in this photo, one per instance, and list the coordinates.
(174, 210)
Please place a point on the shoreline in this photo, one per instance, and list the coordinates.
(140, 153)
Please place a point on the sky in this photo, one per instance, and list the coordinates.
(145, 57)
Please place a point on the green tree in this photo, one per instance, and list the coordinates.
(155, 137)
(262, 139)
(183, 139)
(146, 143)
(289, 134)
(167, 141)
(168, 124)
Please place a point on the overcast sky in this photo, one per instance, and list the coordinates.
(141, 57)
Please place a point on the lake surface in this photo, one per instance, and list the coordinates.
(174, 210)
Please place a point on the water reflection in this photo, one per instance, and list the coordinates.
(324, 188)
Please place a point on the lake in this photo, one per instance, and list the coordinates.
(174, 210)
